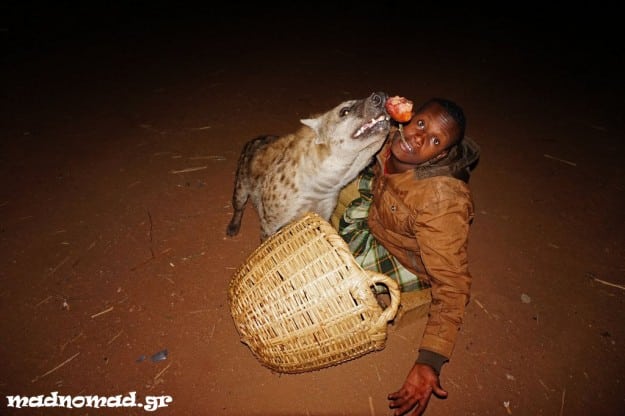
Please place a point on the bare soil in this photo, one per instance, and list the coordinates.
(120, 136)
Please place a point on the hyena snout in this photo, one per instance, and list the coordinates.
(378, 99)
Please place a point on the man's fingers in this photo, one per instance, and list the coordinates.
(401, 394)
(439, 391)
(407, 405)
(400, 403)
(403, 404)
(421, 406)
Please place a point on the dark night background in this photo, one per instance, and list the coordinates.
(579, 44)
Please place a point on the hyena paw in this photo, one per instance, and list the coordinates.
(233, 229)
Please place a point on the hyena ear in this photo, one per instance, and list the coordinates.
(314, 124)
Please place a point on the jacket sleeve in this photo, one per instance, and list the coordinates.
(442, 230)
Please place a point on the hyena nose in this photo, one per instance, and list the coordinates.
(378, 98)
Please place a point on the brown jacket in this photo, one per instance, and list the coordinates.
(424, 222)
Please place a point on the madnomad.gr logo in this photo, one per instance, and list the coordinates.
(151, 404)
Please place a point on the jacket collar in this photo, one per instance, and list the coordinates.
(458, 163)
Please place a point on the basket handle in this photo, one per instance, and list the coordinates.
(393, 290)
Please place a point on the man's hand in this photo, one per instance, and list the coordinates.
(421, 382)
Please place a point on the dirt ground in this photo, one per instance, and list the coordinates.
(120, 136)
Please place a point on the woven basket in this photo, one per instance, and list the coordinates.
(301, 302)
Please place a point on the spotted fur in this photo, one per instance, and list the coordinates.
(290, 175)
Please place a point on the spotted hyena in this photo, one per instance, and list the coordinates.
(290, 175)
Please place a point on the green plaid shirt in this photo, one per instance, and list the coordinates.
(369, 253)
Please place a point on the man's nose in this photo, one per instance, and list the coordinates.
(418, 140)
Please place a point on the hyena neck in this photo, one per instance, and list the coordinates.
(333, 172)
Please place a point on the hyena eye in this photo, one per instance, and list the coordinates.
(344, 111)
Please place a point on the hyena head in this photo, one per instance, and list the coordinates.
(354, 124)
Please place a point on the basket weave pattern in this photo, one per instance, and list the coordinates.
(301, 302)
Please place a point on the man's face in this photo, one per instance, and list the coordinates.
(429, 135)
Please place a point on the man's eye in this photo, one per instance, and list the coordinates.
(435, 141)
(344, 111)
(420, 124)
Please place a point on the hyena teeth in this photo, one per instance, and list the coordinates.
(370, 124)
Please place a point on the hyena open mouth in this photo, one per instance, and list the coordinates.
(370, 125)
